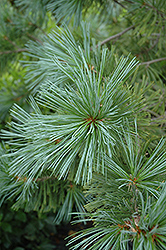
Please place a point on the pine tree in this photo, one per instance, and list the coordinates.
(91, 138)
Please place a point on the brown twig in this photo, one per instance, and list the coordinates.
(129, 1)
(154, 8)
(35, 38)
(13, 51)
(116, 36)
(13, 43)
(116, 1)
(155, 43)
(38, 27)
(153, 61)
(46, 178)
(161, 117)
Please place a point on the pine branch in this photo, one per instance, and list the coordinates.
(116, 36)
(153, 61)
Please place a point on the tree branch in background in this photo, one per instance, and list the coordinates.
(117, 35)
(155, 43)
(11, 42)
(34, 38)
(46, 178)
(12, 51)
(38, 27)
(116, 1)
(153, 61)
(154, 8)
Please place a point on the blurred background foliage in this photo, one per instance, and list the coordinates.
(21, 230)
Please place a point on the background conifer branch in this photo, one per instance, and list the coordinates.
(13, 51)
(153, 61)
(117, 35)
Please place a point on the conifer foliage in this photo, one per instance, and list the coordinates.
(90, 141)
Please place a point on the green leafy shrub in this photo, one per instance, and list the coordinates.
(21, 230)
